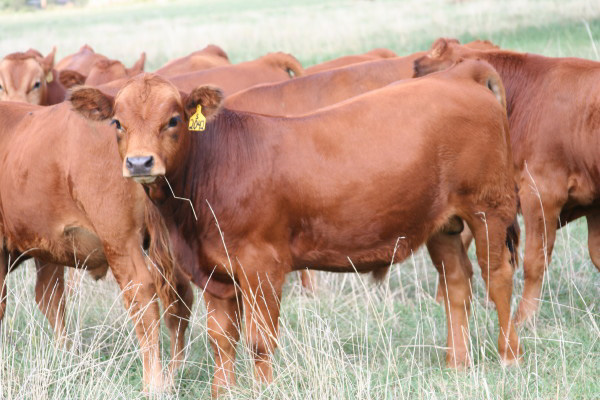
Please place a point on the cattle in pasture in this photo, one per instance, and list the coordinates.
(375, 54)
(209, 57)
(554, 115)
(352, 187)
(101, 72)
(272, 67)
(64, 201)
(311, 92)
(29, 77)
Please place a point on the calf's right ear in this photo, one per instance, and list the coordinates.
(209, 97)
(92, 103)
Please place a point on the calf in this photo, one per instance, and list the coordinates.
(372, 55)
(554, 113)
(64, 202)
(209, 57)
(30, 78)
(103, 71)
(353, 187)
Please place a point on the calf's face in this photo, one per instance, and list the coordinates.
(24, 77)
(150, 117)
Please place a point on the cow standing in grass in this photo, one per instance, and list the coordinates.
(554, 115)
(63, 201)
(348, 188)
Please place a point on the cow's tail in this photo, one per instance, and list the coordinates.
(513, 232)
(162, 260)
(287, 62)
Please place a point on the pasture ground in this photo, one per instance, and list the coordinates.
(353, 340)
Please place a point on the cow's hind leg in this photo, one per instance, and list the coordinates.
(3, 283)
(490, 233)
(140, 298)
(49, 291)
(450, 259)
(541, 220)
(593, 223)
(223, 325)
(309, 280)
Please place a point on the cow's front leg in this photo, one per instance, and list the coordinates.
(223, 325)
(261, 282)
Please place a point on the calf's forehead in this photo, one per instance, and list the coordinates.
(148, 100)
(18, 71)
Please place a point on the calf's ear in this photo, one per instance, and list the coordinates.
(92, 103)
(70, 79)
(209, 97)
(138, 67)
(48, 61)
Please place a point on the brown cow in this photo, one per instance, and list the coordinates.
(103, 71)
(311, 92)
(209, 57)
(348, 188)
(81, 62)
(64, 202)
(372, 55)
(29, 77)
(553, 110)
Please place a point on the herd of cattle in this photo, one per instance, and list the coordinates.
(345, 166)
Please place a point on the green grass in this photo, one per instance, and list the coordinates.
(353, 340)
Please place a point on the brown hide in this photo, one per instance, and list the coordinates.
(81, 62)
(311, 92)
(372, 55)
(209, 57)
(554, 116)
(348, 188)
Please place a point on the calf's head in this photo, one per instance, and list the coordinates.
(443, 54)
(24, 76)
(103, 71)
(150, 117)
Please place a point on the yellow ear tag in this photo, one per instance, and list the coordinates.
(49, 77)
(197, 121)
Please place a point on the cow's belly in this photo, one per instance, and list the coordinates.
(75, 246)
(357, 247)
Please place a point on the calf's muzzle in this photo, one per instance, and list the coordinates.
(140, 166)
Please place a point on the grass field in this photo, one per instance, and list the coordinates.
(352, 340)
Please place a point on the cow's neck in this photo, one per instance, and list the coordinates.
(213, 166)
(517, 75)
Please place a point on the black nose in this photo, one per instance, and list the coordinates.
(139, 166)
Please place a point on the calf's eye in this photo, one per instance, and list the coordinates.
(116, 123)
(37, 85)
(173, 122)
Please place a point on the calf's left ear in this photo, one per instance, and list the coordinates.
(209, 97)
(92, 103)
